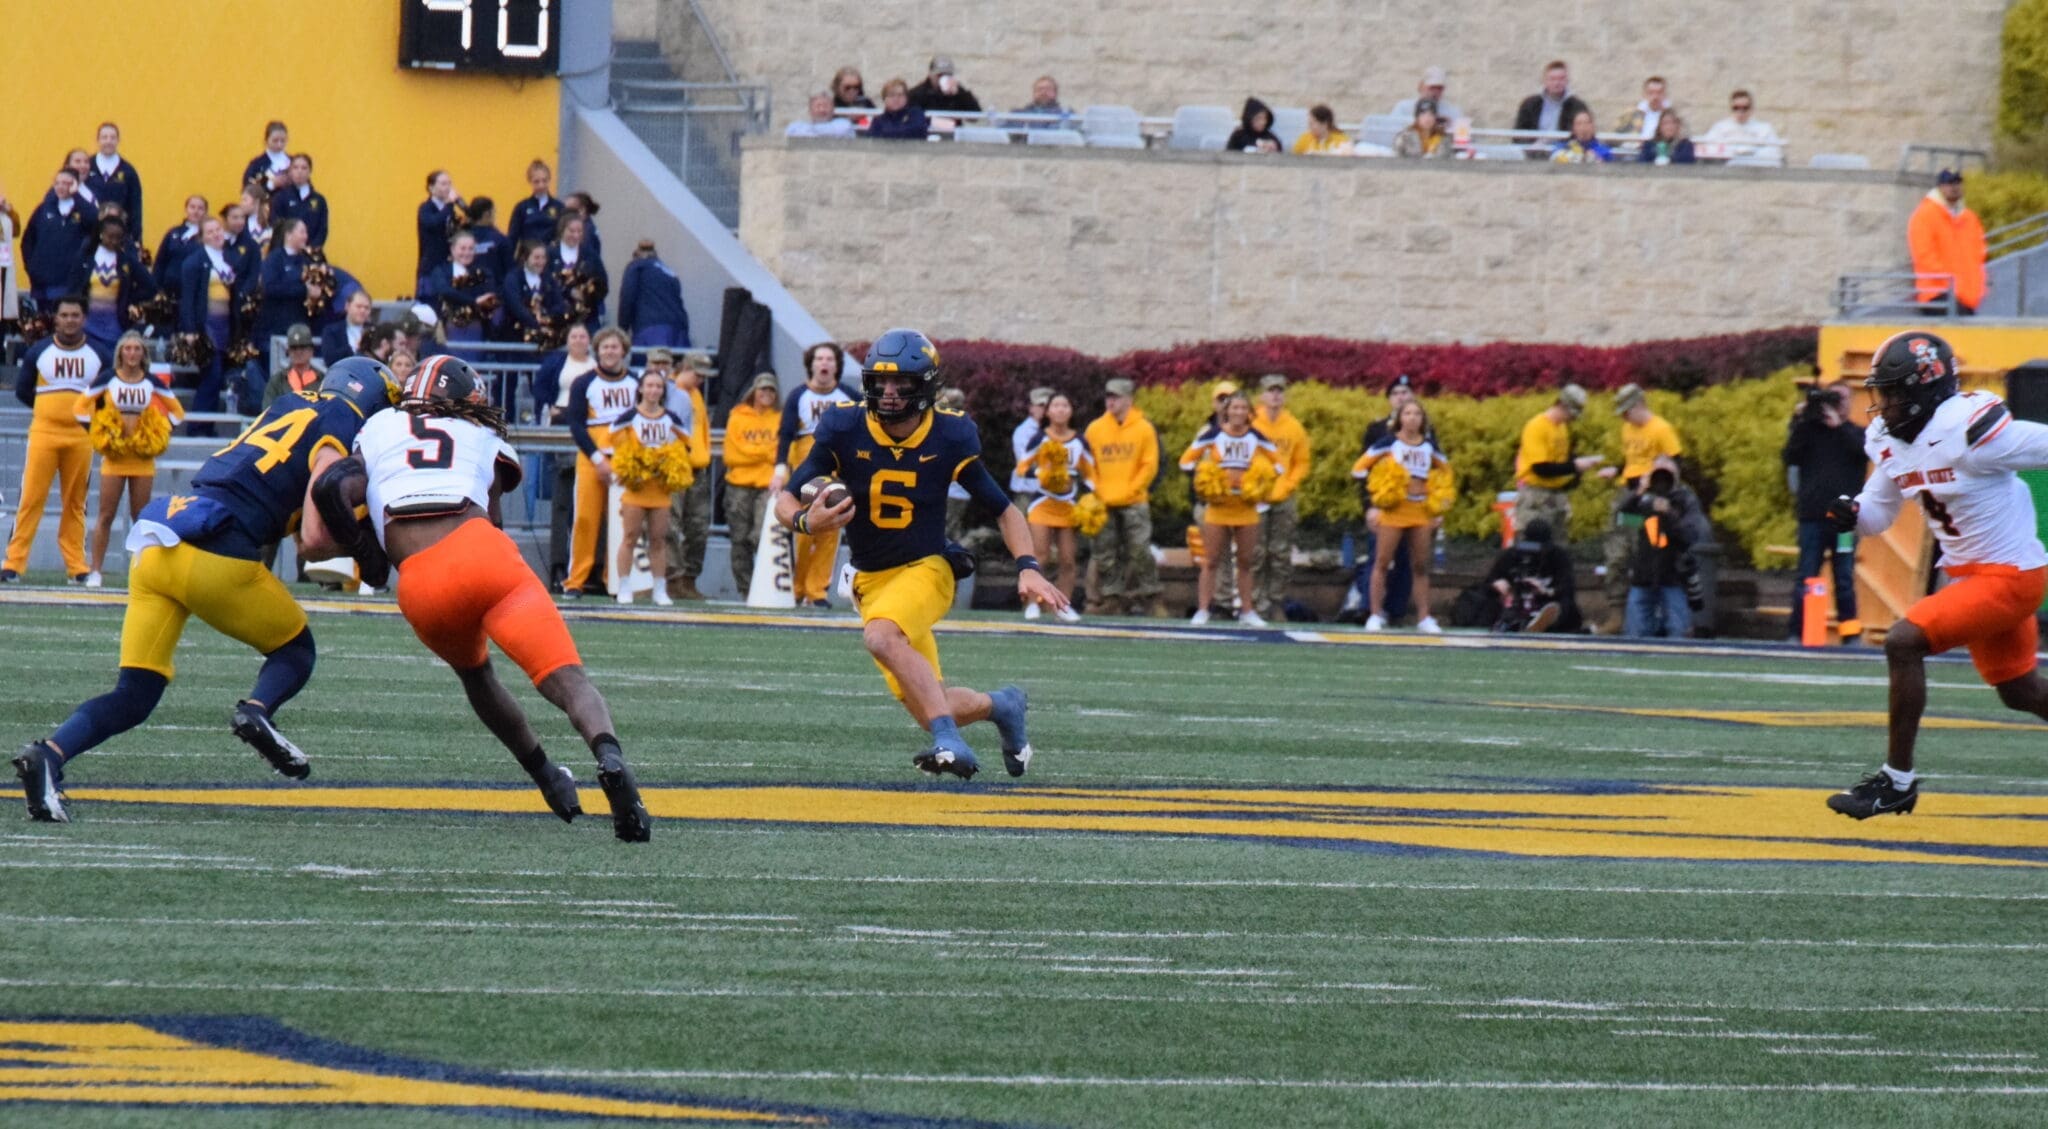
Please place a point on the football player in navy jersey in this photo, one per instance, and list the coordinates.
(200, 553)
(897, 456)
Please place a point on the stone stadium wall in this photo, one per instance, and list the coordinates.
(1107, 251)
(1850, 76)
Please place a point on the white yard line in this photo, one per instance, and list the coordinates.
(1783, 1036)
(1873, 1052)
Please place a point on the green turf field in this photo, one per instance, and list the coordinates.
(1245, 884)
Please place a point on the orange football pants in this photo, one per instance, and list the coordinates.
(1989, 608)
(472, 586)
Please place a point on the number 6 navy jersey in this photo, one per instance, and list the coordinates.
(262, 476)
(429, 466)
(899, 486)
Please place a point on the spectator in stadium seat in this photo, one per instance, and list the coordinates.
(435, 224)
(1126, 449)
(1641, 121)
(302, 202)
(210, 303)
(1273, 556)
(284, 304)
(177, 242)
(299, 373)
(1431, 88)
(750, 436)
(1254, 132)
(651, 300)
(1322, 135)
(464, 294)
(1669, 145)
(1824, 459)
(899, 119)
(344, 338)
(112, 180)
(941, 91)
(1741, 134)
(255, 202)
(80, 163)
(271, 168)
(1426, 137)
(1552, 109)
(1045, 101)
(1947, 238)
(582, 204)
(534, 218)
(402, 360)
(1537, 589)
(558, 370)
(821, 122)
(241, 247)
(533, 299)
(578, 270)
(1545, 468)
(59, 232)
(111, 278)
(1583, 147)
(849, 92)
(493, 247)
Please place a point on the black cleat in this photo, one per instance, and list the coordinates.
(254, 728)
(9, 576)
(41, 770)
(558, 788)
(630, 822)
(1876, 795)
(941, 761)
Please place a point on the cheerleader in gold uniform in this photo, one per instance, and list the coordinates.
(129, 421)
(1411, 485)
(1059, 459)
(651, 459)
(1235, 468)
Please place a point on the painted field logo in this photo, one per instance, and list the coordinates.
(215, 1062)
(1628, 821)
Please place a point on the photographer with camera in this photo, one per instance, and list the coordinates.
(1824, 459)
(1663, 577)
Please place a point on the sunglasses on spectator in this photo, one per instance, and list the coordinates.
(1740, 107)
(849, 88)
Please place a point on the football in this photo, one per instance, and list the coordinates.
(834, 490)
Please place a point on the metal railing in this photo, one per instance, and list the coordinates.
(1916, 156)
(2020, 235)
(1878, 295)
(695, 129)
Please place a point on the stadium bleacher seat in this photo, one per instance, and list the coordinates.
(1214, 143)
(1193, 125)
(1756, 163)
(1838, 161)
(1499, 153)
(982, 134)
(1379, 129)
(1061, 138)
(1116, 141)
(1101, 123)
(1289, 122)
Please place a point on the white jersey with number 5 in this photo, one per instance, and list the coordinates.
(427, 464)
(1960, 468)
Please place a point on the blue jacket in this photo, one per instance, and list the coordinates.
(334, 344)
(909, 125)
(170, 257)
(547, 383)
(284, 297)
(651, 294)
(192, 284)
(588, 265)
(448, 299)
(123, 186)
(135, 285)
(519, 303)
(1681, 153)
(436, 225)
(52, 241)
(493, 248)
(312, 210)
(533, 222)
(258, 169)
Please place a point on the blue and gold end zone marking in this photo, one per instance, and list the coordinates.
(1699, 824)
(228, 1062)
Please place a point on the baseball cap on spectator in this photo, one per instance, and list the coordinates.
(1629, 398)
(425, 315)
(1433, 76)
(1041, 395)
(298, 337)
(764, 380)
(701, 364)
(1422, 104)
(1401, 381)
(1121, 387)
(952, 399)
(1225, 388)
(942, 64)
(1949, 176)
(1272, 380)
(1573, 398)
(660, 354)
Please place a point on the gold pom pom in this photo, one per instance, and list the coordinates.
(1260, 480)
(1387, 482)
(1055, 475)
(1443, 489)
(1090, 515)
(637, 466)
(1211, 483)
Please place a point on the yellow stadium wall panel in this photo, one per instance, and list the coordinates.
(192, 84)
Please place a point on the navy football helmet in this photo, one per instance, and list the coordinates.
(901, 353)
(1911, 374)
(362, 381)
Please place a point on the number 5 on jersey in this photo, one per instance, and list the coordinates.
(436, 451)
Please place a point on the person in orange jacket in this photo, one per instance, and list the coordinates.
(1947, 239)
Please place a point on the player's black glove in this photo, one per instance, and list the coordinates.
(1841, 515)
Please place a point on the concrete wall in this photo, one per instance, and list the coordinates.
(1858, 76)
(1108, 251)
(374, 130)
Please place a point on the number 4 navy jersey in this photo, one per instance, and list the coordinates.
(261, 477)
(899, 487)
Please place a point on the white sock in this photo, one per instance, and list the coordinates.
(1900, 780)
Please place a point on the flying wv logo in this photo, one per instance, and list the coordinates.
(177, 505)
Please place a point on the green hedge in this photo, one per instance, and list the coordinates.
(1732, 433)
(2023, 77)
